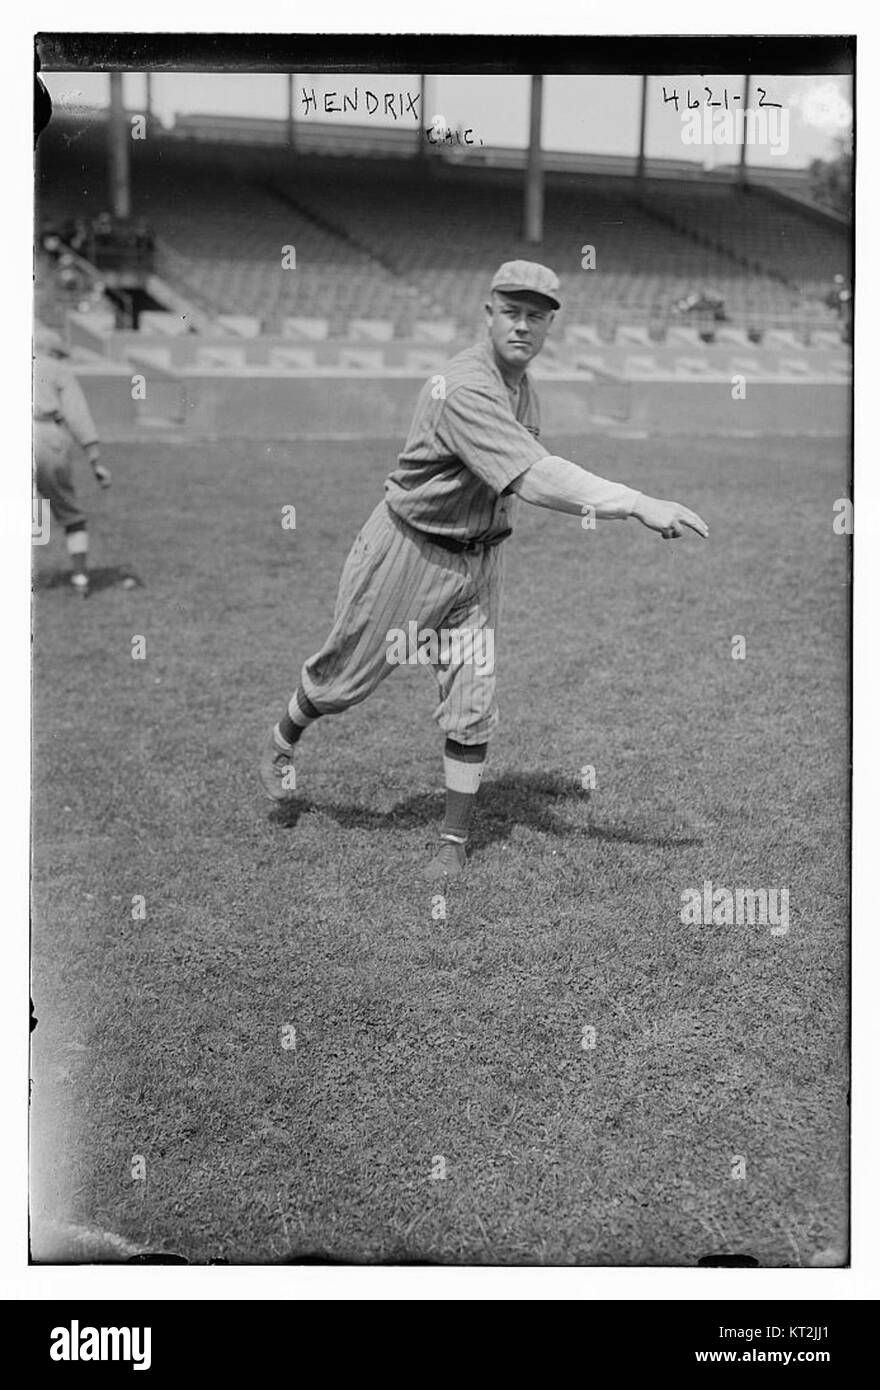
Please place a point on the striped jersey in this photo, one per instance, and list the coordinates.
(471, 436)
(58, 397)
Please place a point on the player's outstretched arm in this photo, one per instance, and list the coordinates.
(669, 518)
(566, 487)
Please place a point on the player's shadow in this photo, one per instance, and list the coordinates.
(101, 577)
(541, 801)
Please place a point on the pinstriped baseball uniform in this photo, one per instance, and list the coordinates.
(471, 436)
(61, 415)
(464, 450)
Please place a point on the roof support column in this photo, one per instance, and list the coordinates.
(533, 211)
(643, 121)
(120, 151)
(741, 174)
(291, 93)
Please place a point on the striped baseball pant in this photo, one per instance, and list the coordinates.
(53, 476)
(395, 580)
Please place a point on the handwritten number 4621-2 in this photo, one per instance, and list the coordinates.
(693, 104)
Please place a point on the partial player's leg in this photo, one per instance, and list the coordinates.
(54, 482)
(76, 538)
(468, 709)
(389, 580)
(277, 769)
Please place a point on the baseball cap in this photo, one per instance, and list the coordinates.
(516, 276)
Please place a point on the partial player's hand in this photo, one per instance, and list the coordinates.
(102, 474)
(668, 517)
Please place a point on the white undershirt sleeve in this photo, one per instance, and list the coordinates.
(566, 487)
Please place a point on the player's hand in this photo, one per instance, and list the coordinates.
(102, 474)
(669, 518)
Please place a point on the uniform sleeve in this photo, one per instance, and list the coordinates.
(75, 409)
(480, 430)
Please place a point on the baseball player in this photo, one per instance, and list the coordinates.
(62, 417)
(429, 562)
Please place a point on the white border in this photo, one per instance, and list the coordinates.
(17, 1280)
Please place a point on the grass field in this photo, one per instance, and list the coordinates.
(442, 1101)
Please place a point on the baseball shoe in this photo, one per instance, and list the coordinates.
(80, 583)
(449, 861)
(277, 772)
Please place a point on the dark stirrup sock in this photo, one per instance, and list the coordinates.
(463, 766)
(300, 714)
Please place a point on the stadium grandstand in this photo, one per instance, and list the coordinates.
(398, 240)
(394, 239)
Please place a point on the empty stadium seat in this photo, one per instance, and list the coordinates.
(579, 334)
(435, 330)
(632, 333)
(316, 247)
(305, 330)
(243, 325)
(168, 325)
(371, 330)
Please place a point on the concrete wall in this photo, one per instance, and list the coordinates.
(272, 405)
(193, 350)
(108, 391)
(820, 407)
(267, 404)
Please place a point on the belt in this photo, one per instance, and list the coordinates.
(465, 547)
(448, 542)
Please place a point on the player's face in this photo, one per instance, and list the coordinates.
(518, 325)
